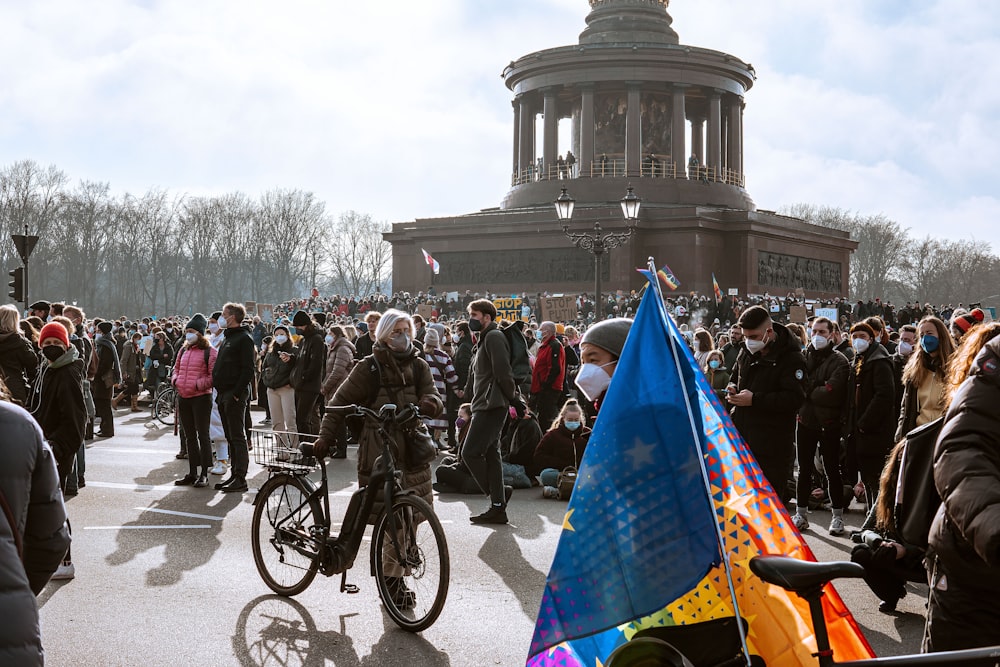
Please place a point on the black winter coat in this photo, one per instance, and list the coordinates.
(107, 362)
(965, 534)
(30, 486)
(778, 381)
(826, 400)
(309, 367)
(60, 408)
(873, 398)
(560, 448)
(233, 370)
(275, 372)
(18, 364)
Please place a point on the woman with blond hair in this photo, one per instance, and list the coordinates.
(924, 377)
(18, 362)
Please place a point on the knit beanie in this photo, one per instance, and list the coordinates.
(432, 339)
(198, 323)
(54, 330)
(320, 319)
(609, 335)
(104, 328)
(865, 328)
(216, 315)
(969, 320)
(300, 319)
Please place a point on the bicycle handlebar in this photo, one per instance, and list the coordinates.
(386, 415)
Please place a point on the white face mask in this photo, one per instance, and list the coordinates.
(190, 337)
(754, 346)
(697, 345)
(860, 345)
(905, 348)
(820, 342)
(213, 327)
(281, 340)
(222, 322)
(593, 380)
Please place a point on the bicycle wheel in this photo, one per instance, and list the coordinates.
(163, 408)
(286, 534)
(413, 582)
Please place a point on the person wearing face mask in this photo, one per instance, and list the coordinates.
(820, 424)
(561, 446)
(717, 373)
(364, 344)
(308, 371)
(231, 378)
(215, 332)
(57, 405)
(767, 389)
(394, 373)
(924, 377)
(131, 363)
(192, 376)
(702, 344)
(904, 349)
(339, 362)
(548, 375)
(492, 389)
(276, 371)
(872, 395)
(600, 348)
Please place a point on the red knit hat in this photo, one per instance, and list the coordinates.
(54, 330)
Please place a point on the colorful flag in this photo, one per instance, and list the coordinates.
(431, 261)
(668, 278)
(715, 286)
(749, 516)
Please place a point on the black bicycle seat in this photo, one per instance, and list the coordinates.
(800, 575)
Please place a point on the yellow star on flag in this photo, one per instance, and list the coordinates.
(566, 524)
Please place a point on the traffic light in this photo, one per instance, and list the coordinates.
(17, 284)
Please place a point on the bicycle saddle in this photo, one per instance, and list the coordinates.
(800, 575)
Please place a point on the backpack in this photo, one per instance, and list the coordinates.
(520, 365)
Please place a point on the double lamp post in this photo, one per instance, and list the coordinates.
(598, 242)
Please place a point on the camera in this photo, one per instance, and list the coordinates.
(868, 537)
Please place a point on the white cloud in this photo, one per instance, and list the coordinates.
(398, 109)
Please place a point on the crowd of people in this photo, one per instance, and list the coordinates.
(826, 405)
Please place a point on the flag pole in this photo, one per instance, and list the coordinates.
(701, 462)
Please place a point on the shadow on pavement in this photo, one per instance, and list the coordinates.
(185, 548)
(503, 554)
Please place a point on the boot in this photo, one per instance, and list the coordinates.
(116, 400)
(89, 432)
(135, 403)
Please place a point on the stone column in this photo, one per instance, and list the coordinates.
(698, 139)
(526, 152)
(678, 133)
(735, 148)
(715, 133)
(517, 140)
(585, 159)
(550, 132)
(633, 130)
(742, 107)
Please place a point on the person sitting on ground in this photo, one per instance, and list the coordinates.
(561, 447)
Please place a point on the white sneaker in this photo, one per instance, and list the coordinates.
(837, 525)
(219, 468)
(800, 521)
(64, 571)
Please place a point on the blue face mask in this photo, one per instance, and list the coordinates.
(713, 364)
(572, 425)
(929, 343)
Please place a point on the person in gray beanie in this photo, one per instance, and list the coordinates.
(600, 349)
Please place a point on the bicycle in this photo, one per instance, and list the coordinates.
(164, 404)
(670, 647)
(291, 526)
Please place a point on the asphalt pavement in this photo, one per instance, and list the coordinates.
(165, 576)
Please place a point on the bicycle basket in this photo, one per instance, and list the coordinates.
(279, 450)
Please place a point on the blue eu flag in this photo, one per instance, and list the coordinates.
(640, 529)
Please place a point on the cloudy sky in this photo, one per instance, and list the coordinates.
(397, 108)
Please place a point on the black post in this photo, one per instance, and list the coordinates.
(598, 306)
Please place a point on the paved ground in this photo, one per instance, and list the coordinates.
(165, 577)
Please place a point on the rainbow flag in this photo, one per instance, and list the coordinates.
(636, 551)
(668, 278)
(715, 286)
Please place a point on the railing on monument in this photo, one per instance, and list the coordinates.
(615, 167)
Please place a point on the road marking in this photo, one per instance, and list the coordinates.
(174, 513)
(131, 487)
(125, 450)
(145, 527)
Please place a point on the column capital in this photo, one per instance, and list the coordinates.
(632, 85)
(679, 87)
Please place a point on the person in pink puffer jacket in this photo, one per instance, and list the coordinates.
(192, 376)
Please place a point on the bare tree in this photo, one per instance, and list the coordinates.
(358, 255)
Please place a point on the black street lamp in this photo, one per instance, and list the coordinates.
(598, 242)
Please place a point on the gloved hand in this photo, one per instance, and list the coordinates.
(428, 407)
(321, 448)
(519, 407)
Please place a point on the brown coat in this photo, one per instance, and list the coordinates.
(339, 361)
(403, 382)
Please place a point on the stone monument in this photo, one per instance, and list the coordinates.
(632, 94)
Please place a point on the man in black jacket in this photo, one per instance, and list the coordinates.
(767, 389)
(821, 421)
(231, 378)
(308, 372)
